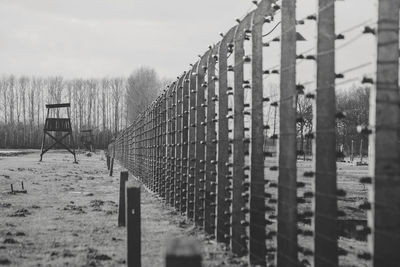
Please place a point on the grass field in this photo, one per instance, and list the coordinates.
(69, 215)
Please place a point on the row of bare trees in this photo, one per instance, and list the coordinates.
(108, 105)
(104, 105)
(353, 110)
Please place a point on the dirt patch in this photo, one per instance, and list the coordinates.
(4, 261)
(20, 213)
(67, 253)
(96, 203)
(93, 254)
(14, 153)
(75, 209)
(10, 241)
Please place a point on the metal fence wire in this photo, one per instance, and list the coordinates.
(204, 145)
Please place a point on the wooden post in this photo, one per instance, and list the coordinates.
(223, 192)
(238, 240)
(146, 157)
(128, 148)
(178, 143)
(136, 151)
(324, 123)
(185, 141)
(168, 177)
(156, 145)
(133, 150)
(121, 214)
(112, 166)
(124, 148)
(108, 162)
(163, 174)
(287, 184)
(210, 179)
(132, 215)
(159, 146)
(352, 151)
(257, 247)
(152, 148)
(183, 253)
(384, 218)
(173, 145)
(143, 125)
(192, 142)
(140, 150)
(199, 200)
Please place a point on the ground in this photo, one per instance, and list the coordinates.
(69, 216)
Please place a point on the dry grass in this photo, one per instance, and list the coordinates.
(69, 216)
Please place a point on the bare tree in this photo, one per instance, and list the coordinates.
(31, 109)
(91, 86)
(96, 103)
(22, 87)
(142, 87)
(55, 89)
(4, 91)
(105, 83)
(117, 87)
(353, 103)
(304, 121)
(80, 100)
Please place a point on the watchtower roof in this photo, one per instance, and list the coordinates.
(62, 105)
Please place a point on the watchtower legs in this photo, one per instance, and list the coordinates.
(73, 147)
(41, 150)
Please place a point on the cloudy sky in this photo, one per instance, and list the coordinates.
(109, 37)
(94, 38)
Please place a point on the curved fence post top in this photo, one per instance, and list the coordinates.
(202, 66)
(244, 25)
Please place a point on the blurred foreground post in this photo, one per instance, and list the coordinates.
(132, 219)
(287, 244)
(182, 253)
(324, 146)
(121, 212)
(384, 200)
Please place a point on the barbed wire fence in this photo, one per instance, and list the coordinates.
(201, 145)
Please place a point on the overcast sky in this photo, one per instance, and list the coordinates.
(94, 38)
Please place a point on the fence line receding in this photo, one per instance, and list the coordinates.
(222, 148)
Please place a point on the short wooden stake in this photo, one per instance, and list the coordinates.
(111, 166)
(182, 253)
(108, 162)
(121, 214)
(132, 220)
(352, 151)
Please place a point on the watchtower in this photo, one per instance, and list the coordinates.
(55, 124)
